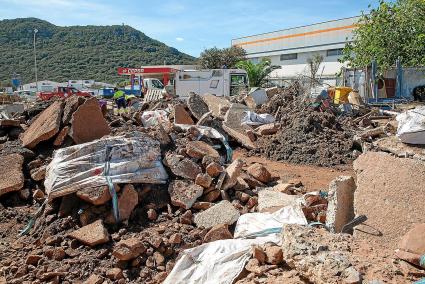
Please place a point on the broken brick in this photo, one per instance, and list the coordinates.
(181, 116)
(199, 149)
(259, 172)
(11, 176)
(92, 234)
(184, 194)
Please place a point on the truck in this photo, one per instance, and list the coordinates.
(218, 82)
(181, 82)
(63, 92)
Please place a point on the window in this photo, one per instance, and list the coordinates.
(214, 84)
(291, 56)
(334, 52)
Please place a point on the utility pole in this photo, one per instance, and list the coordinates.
(35, 62)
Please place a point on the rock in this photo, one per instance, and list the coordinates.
(183, 193)
(33, 259)
(352, 276)
(199, 149)
(242, 196)
(220, 213)
(38, 174)
(253, 201)
(233, 127)
(251, 181)
(385, 185)
(128, 199)
(316, 254)
(61, 136)
(259, 172)
(159, 258)
(218, 232)
(267, 129)
(94, 279)
(114, 273)
(44, 127)
(340, 203)
(253, 265)
(196, 105)
(92, 234)
(283, 187)
(214, 169)
(271, 201)
(181, 116)
(128, 249)
(200, 205)
(241, 185)
(215, 103)
(38, 194)
(274, 255)
(186, 217)
(10, 123)
(56, 253)
(88, 123)
(232, 173)
(160, 277)
(211, 196)
(251, 135)
(11, 176)
(259, 254)
(203, 180)
(96, 195)
(413, 241)
(182, 167)
(175, 239)
(71, 105)
(152, 215)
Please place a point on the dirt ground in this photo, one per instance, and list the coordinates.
(312, 177)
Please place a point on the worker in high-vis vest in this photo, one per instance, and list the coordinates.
(119, 98)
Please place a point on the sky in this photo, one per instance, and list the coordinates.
(188, 25)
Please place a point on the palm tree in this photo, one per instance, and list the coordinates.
(257, 72)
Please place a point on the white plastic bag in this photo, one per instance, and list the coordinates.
(135, 158)
(152, 118)
(252, 118)
(221, 262)
(411, 126)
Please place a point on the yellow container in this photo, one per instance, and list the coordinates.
(341, 95)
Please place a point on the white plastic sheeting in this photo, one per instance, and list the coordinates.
(411, 126)
(152, 118)
(134, 158)
(252, 118)
(220, 262)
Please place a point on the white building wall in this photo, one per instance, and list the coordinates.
(305, 42)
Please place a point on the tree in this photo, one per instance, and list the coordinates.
(313, 64)
(393, 30)
(215, 58)
(257, 73)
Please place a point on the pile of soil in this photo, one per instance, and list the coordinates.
(306, 136)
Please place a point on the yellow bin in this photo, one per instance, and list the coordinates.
(341, 95)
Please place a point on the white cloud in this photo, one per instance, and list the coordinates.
(179, 39)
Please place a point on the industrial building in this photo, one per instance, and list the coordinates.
(290, 48)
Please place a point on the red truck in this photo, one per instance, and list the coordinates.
(63, 92)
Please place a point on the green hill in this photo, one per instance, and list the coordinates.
(78, 52)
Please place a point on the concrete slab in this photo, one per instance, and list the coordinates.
(11, 176)
(88, 123)
(196, 105)
(271, 201)
(233, 127)
(184, 194)
(221, 213)
(44, 127)
(215, 104)
(92, 234)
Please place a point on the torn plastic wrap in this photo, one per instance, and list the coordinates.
(135, 158)
(411, 126)
(153, 118)
(252, 118)
(221, 262)
(211, 133)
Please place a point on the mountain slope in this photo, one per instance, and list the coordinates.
(78, 52)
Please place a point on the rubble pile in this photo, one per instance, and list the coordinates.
(90, 197)
(305, 136)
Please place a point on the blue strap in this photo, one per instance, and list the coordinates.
(111, 187)
(33, 219)
(422, 262)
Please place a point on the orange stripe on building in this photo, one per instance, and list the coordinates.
(296, 35)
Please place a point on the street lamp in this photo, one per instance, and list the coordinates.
(35, 62)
